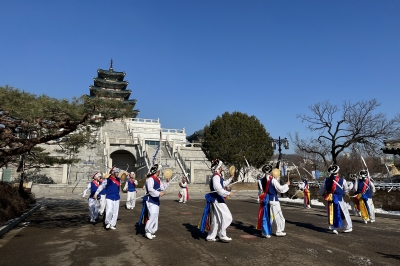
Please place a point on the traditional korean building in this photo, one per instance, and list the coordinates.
(111, 84)
(196, 137)
(391, 147)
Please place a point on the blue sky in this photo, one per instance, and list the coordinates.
(189, 61)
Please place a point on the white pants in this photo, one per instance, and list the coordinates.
(112, 209)
(371, 207)
(131, 200)
(184, 196)
(93, 209)
(102, 204)
(275, 213)
(221, 218)
(152, 224)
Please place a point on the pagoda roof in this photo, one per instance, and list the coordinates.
(111, 74)
(96, 91)
(392, 146)
(106, 83)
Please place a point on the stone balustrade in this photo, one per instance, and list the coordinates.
(387, 195)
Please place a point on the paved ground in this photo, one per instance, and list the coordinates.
(59, 234)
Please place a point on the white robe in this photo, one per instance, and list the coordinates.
(154, 209)
(183, 192)
(131, 196)
(112, 207)
(93, 205)
(275, 206)
(220, 215)
(102, 204)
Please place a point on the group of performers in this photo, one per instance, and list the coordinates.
(216, 216)
(104, 196)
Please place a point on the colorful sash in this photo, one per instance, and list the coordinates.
(144, 215)
(365, 187)
(361, 201)
(205, 221)
(307, 195)
(362, 206)
(333, 205)
(115, 181)
(96, 183)
(264, 218)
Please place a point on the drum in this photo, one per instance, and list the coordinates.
(299, 194)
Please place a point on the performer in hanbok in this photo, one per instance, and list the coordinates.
(333, 190)
(364, 189)
(304, 186)
(270, 208)
(93, 200)
(130, 187)
(184, 192)
(350, 185)
(216, 215)
(102, 200)
(151, 202)
(112, 186)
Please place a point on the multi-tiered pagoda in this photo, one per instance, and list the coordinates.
(110, 84)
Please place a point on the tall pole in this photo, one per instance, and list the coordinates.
(280, 152)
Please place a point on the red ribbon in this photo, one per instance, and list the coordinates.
(115, 181)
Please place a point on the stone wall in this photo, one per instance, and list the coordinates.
(388, 201)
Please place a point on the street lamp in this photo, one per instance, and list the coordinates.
(279, 141)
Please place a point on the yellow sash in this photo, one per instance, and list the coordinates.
(361, 207)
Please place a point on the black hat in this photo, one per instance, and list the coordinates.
(333, 169)
(154, 169)
(363, 173)
(267, 168)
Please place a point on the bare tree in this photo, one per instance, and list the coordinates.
(356, 125)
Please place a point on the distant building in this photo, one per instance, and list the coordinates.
(196, 137)
(391, 147)
(110, 84)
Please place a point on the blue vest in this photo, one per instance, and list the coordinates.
(131, 186)
(93, 189)
(272, 192)
(154, 200)
(112, 190)
(367, 192)
(215, 195)
(338, 191)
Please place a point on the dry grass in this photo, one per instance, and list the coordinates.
(13, 202)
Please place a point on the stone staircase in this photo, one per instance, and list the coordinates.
(92, 160)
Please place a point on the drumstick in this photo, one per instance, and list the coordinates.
(226, 186)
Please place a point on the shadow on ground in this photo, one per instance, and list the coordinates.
(62, 213)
